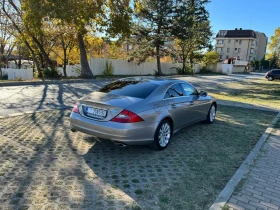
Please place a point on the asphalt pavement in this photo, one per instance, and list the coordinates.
(30, 98)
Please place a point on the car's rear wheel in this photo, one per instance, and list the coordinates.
(270, 78)
(163, 135)
(211, 114)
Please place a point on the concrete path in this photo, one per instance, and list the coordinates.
(260, 189)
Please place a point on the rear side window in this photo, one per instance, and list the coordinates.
(276, 72)
(130, 88)
(174, 91)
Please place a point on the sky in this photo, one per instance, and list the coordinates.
(258, 15)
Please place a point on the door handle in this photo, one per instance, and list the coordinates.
(173, 106)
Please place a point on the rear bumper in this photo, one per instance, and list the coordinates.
(141, 133)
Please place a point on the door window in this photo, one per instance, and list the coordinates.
(189, 90)
(174, 91)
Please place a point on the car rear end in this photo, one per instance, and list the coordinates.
(268, 74)
(107, 114)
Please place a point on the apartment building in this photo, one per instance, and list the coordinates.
(246, 45)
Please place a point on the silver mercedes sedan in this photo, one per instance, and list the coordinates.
(142, 111)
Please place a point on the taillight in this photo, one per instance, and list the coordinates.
(127, 117)
(76, 108)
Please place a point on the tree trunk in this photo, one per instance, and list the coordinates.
(184, 65)
(86, 72)
(64, 62)
(43, 52)
(2, 47)
(158, 62)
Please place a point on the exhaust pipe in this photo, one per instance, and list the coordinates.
(73, 130)
(118, 144)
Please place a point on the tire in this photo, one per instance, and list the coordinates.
(270, 78)
(211, 114)
(163, 135)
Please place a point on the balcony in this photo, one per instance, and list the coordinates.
(220, 44)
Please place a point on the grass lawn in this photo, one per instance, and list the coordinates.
(212, 154)
(256, 92)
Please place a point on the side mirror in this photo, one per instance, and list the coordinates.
(203, 93)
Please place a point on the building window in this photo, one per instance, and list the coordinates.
(250, 58)
(236, 40)
(239, 50)
(229, 40)
(228, 49)
(221, 57)
(252, 51)
(235, 49)
(240, 41)
(219, 49)
(222, 33)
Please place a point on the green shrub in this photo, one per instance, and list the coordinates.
(4, 77)
(187, 70)
(51, 73)
(204, 70)
(109, 69)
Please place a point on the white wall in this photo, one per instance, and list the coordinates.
(238, 69)
(123, 67)
(224, 68)
(71, 70)
(25, 74)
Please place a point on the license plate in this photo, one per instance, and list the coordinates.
(96, 112)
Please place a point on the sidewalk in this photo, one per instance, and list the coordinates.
(261, 187)
(256, 183)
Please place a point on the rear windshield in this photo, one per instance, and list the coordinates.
(130, 88)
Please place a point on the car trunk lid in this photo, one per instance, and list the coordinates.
(103, 107)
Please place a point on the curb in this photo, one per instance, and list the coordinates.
(227, 192)
(47, 82)
(32, 112)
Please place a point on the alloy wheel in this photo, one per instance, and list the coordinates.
(164, 134)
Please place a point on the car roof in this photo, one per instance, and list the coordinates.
(154, 79)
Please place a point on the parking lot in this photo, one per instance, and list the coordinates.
(43, 165)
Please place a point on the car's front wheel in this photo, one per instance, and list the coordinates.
(211, 114)
(270, 78)
(163, 135)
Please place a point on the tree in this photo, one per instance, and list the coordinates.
(273, 60)
(191, 28)
(153, 29)
(28, 31)
(84, 15)
(64, 44)
(211, 57)
(274, 48)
